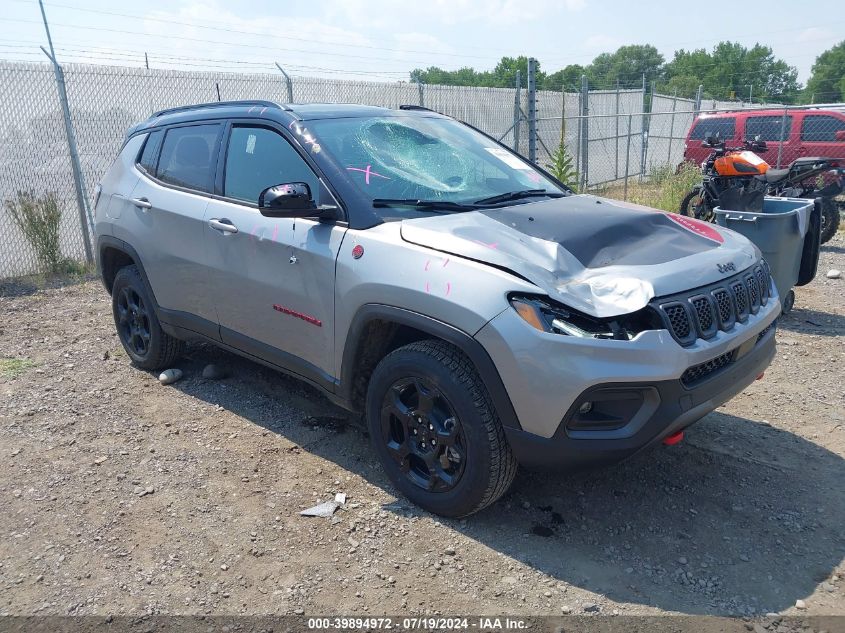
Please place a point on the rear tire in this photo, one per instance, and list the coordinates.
(830, 219)
(435, 430)
(140, 333)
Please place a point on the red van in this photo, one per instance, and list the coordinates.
(808, 132)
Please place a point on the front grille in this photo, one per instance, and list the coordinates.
(761, 282)
(679, 320)
(753, 292)
(697, 373)
(726, 307)
(741, 299)
(705, 311)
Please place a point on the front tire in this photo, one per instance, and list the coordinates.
(137, 325)
(694, 205)
(435, 430)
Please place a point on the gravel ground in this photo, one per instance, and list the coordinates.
(123, 496)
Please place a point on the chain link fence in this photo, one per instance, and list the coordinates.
(611, 137)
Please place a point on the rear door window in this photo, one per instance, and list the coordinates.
(724, 127)
(821, 128)
(188, 157)
(768, 128)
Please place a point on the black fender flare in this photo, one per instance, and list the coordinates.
(108, 241)
(437, 329)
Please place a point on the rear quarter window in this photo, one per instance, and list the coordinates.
(148, 157)
(725, 127)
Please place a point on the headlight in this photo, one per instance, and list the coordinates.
(546, 315)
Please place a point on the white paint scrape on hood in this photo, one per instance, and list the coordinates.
(602, 257)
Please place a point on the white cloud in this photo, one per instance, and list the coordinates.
(814, 33)
(384, 13)
(602, 43)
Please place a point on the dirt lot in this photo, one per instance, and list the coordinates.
(119, 495)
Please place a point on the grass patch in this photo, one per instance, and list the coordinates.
(14, 367)
(664, 189)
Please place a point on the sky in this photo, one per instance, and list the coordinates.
(382, 40)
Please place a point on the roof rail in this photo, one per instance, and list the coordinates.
(219, 104)
(417, 107)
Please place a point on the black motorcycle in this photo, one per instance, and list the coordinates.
(802, 180)
(733, 179)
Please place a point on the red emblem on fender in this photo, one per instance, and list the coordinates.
(358, 252)
(698, 227)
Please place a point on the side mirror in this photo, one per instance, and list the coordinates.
(839, 135)
(287, 200)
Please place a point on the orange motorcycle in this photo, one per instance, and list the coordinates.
(729, 179)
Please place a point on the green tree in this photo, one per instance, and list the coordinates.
(732, 71)
(502, 76)
(627, 65)
(827, 81)
(570, 77)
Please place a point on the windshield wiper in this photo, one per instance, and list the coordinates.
(518, 195)
(437, 206)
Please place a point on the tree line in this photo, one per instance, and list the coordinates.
(729, 71)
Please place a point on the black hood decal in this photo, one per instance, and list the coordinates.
(601, 235)
(603, 258)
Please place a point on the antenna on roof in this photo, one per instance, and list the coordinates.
(217, 85)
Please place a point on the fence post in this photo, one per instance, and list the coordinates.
(627, 157)
(517, 115)
(578, 137)
(85, 219)
(288, 82)
(643, 132)
(562, 116)
(782, 134)
(532, 110)
(616, 136)
(422, 94)
(672, 126)
(697, 106)
(585, 133)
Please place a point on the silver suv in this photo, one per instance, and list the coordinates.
(412, 268)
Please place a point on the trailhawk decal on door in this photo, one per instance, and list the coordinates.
(299, 315)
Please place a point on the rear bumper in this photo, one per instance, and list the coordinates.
(671, 408)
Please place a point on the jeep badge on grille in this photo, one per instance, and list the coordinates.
(726, 268)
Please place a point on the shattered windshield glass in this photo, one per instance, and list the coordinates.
(424, 158)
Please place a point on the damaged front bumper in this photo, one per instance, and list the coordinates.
(581, 402)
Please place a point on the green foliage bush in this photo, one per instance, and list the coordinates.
(39, 219)
(562, 167)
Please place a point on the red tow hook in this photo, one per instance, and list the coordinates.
(673, 439)
(760, 377)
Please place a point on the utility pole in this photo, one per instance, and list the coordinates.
(85, 218)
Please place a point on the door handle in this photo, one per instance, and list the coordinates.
(223, 225)
(141, 203)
